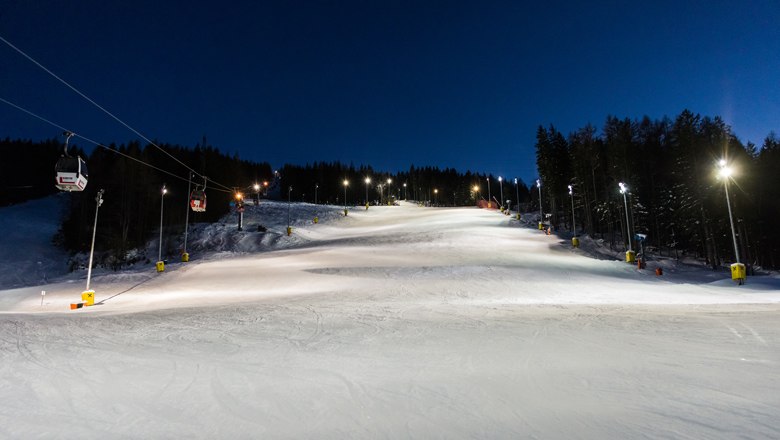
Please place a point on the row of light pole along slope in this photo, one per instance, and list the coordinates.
(738, 271)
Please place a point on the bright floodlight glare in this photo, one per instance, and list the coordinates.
(164, 190)
(389, 181)
(725, 171)
(538, 183)
(722, 163)
(623, 187)
(239, 196)
(515, 180)
(570, 190)
(435, 191)
(476, 188)
(346, 182)
(500, 178)
(368, 180)
(257, 187)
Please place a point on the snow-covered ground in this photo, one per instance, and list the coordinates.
(396, 322)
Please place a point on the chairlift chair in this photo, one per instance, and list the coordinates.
(71, 171)
(198, 200)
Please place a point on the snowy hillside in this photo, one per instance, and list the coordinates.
(396, 322)
(27, 254)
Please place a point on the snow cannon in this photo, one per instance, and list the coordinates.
(366, 206)
(160, 266)
(88, 297)
(185, 257)
(518, 216)
(659, 271)
(738, 273)
(575, 242)
(316, 219)
(289, 231)
(630, 257)
(345, 212)
(541, 226)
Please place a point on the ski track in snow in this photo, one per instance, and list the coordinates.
(396, 322)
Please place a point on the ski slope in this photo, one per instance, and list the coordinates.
(396, 322)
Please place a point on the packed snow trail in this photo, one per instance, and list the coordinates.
(396, 322)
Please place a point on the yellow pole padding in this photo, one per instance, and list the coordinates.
(88, 296)
(738, 273)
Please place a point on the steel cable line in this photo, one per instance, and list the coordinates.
(101, 145)
(104, 110)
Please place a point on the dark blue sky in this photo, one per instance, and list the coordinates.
(386, 83)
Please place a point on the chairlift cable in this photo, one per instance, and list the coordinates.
(102, 108)
(99, 144)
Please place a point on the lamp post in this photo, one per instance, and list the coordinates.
(389, 181)
(630, 254)
(346, 183)
(435, 197)
(541, 214)
(240, 210)
(405, 196)
(501, 186)
(575, 242)
(316, 209)
(737, 269)
(256, 186)
(289, 203)
(88, 296)
(368, 180)
(490, 200)
(160, 262)
(517, 195)
(185, 257)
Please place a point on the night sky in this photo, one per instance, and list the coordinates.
(385, 83)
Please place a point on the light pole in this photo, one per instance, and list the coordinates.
(517, 194)
(630, 254)
(389, 181)
(88, 296)
(256, 186)
(368, 180)
(405, 196)
(240, 210)
(316, 209)
(738, 273)
(160, 262)
(476, 194)
(289, 202)
(501, 186)
(541, 214)
(574, 240)
(346, 183)
(490, 200)
(436, 197)
(185, 257)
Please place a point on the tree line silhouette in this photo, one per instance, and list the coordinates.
(676, 196)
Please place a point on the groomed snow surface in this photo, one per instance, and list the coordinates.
(395, 322)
